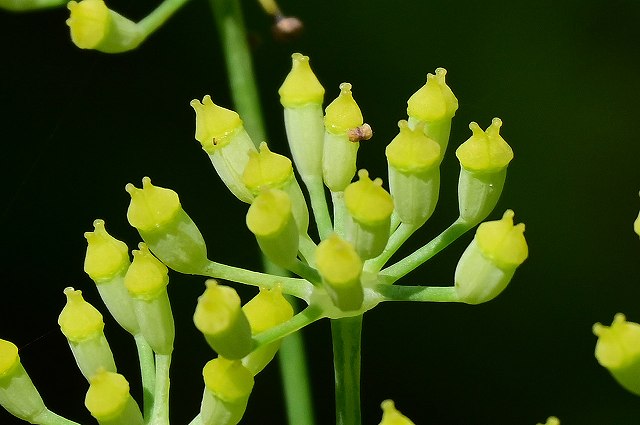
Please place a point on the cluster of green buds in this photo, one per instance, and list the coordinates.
(341, 266)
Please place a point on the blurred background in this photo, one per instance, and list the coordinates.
(76, 126)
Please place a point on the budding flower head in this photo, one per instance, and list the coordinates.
(618, 350)
(79, 320)
(227, 379)
(636, 225)
(109, 401)
(343, 114)
(485, 151)
(489, 262)
(340, 267)
(367, 201)
(9, 358)
(411, 151)
(151, 207)
(434, 101)
(301, 86)
(106, 256)
(214, 124)
(266, 169)
(391, 415)
(147, 277)
(94, 26)
(551, 420)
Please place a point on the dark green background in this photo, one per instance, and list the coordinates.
(76, 126)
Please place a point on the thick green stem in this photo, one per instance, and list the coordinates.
(346, 334)
(438, 294)
(160, 411)
(47, 417)
(148, 372)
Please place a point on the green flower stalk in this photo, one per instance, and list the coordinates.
(391, 415)
(228, 385)
(109, 401)
(29, 5)
(618, 350)
(489, 262)
(82, 325)
(484, 158)
(106, 262)
(18, 395)
(166, 228)
(146, 280)
(222, 322)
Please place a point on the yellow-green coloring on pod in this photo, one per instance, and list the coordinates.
(271, 220)
(434, 101)
(94, 26)
(636, 225)
(106, 256)
(228, 385)
(370, 208)
(151, 207)
(18, 395)
(392, 416)
(340, 267)
(618, 350)
(109, 401)
(215, 125)
(551, 420)
(221, 320)
(267, 309)
(147, 277)
(489, 262)
(343, 113)
(301, 86)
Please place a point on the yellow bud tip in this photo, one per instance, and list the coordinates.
(338, 262)
(266, 170)
(411, 151)
(343, 114)
(217, 307)
(152, 206)
(107, 396)
(214, 124)
(89, 22)
(269, 213)
(636, 225)
(146, 277)
(434, 101)
(106, 256)
(9, 358)
(79, 320)
(229, 380)
(551, 420)
(367, 201)
(485, 151)
(619, 344)
(391, 415)
(301, 87)
(503, 242)
(267, 309)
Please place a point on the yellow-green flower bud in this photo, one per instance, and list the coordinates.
(106, 262)
(28, 5)
(18, 395)
(166, 228)
(340, 267)
(301, 95)
(94, 26)
(228, 385)
(391, 415)
(414, 174)
(618, 350)
(222, 135)
(339, 153)
(146, 280)
(551, 420)
(271, 220)
(267, 309)
(268, 170)
(489, 262)
(370, 208)
(484, 158)
(109, 401)
(82, 325)
(434, 104)
(223, 323)
(636, 225)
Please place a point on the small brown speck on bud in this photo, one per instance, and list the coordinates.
(287, 28)
(358, 134)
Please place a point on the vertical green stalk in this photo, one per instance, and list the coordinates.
(148, 372)
(244, 91)
(346, 335)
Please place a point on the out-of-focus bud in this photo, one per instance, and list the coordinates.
(271, 220)
(29, 5)
(391, 415)
(434, 104)
(82, 325)
(340, 267)
(147, 280)
(223, 323)
(18, 395)
(166, 228)
(268, 170)
(489, 262)
(267, 309)
(222, 135)
(414, 174)
(94, 26)
(228, 385)
(106, 262)
(339, 153)
(484, 158)
(618, 350)
(370, 208)
(551, 420)
(109, 401)
(636, 225)
(301, 95)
